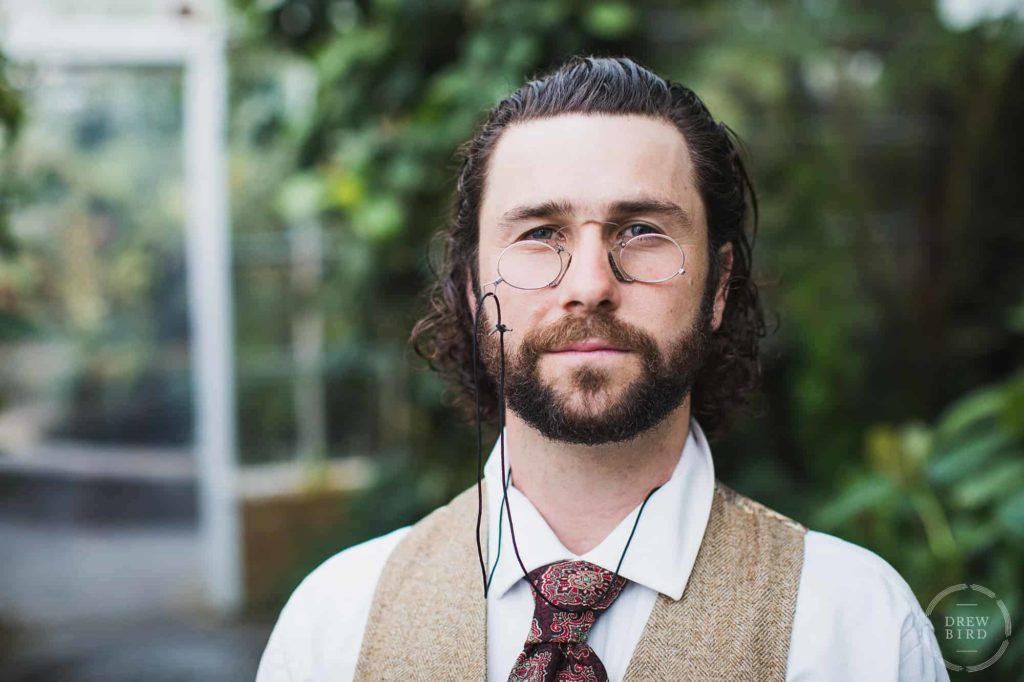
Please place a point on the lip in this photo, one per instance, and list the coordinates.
(590, 346)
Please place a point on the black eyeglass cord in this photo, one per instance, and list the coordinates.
(505, 508)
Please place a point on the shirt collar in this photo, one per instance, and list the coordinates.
(664, 548)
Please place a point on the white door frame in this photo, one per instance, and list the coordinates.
(196, 44)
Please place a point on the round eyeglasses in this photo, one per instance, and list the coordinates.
(539, 263)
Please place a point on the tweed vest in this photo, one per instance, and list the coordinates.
(733, 622)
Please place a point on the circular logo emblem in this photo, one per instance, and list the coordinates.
(972, 626)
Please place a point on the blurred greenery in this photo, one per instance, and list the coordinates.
(882, 141)
(12, 322)
(945, 502)
(10, 121)
(97, 276)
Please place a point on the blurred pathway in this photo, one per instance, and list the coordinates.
(142, 651)
(57, 574)
(84, 604)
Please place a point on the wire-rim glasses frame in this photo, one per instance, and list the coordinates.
(615, 259)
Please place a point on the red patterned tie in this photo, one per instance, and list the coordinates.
(556, 649)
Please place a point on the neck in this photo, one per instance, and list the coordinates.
(584, 492)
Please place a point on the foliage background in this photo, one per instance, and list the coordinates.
(10, 121)
(884, 142)
(883, 145)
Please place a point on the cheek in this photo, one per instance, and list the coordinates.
(483, 268)
(695, 282)
(525, 310)
(664, 312)
(674, 299)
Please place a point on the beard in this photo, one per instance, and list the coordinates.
(664, 382)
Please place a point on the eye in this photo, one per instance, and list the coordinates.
(635, 229)
(545, 233)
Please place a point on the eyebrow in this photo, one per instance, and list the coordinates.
(618, 210)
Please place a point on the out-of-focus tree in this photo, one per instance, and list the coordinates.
(945, 502)
(12, 323)
(10, 121)
(881, 138)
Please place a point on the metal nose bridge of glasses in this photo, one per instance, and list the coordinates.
(646, 258)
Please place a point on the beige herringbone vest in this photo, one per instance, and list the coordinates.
(733, 622)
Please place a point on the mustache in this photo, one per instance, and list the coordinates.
(573, 329)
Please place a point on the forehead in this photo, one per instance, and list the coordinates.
(592, 161)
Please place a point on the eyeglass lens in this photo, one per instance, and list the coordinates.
(644, 258)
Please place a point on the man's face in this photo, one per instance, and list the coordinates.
(594, 359)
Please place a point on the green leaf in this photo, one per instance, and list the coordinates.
(972, 537)
(377, 219)
(985, 486)
(1011, 515)
(917, 445)
(858, 497)
(609, 20)
(883, 450)
(1013, 406)
(952, 464)
(968, 411)
(301, 198)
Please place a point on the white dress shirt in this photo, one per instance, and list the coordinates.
(856, 618)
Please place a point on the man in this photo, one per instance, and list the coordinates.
(605, 209)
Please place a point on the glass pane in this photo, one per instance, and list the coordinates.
(95, 391)
(99, 278)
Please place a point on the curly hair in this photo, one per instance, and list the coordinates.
(593, 85)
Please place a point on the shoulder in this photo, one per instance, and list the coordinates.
(845, 569)
(352, 570)
(321, 625)
(857, 618)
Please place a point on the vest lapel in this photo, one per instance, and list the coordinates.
(735, 617)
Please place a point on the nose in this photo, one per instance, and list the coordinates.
(589, 284)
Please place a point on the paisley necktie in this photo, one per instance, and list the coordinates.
(556, 649)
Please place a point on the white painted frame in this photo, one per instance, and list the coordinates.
(195, 43)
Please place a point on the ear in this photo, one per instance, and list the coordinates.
(725, 258)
